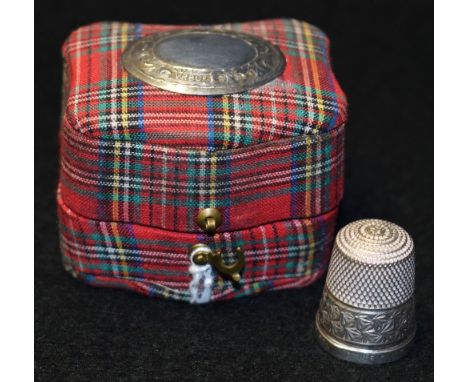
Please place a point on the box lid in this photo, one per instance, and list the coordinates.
(106, 102)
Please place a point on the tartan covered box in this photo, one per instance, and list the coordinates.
(139, 164)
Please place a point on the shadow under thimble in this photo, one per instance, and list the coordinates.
(366, 314)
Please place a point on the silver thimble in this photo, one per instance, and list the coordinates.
(366, 314)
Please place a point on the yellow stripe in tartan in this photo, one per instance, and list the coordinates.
(213, 180)
(315, 71)
(308, 170)
(226, 121)
(124, 86)
(120, 249)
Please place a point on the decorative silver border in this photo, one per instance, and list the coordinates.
(141, 61)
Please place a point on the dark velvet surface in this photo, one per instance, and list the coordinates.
(382, 56)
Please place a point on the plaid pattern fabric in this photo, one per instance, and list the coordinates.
(155, 262)
(138, 164)
(167, 187)
(106, 103)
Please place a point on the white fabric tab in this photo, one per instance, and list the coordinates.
(201, 285)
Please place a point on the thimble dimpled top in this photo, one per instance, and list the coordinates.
(372, 265)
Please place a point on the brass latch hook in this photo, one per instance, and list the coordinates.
(201, 254)
(231, 270)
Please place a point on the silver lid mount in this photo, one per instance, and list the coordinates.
(203, 61)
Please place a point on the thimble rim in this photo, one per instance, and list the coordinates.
(364, 335)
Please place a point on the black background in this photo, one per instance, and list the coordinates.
(383, 57)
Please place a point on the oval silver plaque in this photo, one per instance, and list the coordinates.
(203, 62)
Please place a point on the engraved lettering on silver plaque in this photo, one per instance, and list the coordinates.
(203, 62)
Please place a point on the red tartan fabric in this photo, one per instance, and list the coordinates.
(154, 262)
(166, 187)
(104, 102)
(138, 164)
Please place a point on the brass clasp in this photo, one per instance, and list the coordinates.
(209, 219)
(201, 254)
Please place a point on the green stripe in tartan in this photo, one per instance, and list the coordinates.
(293, 238)
(102, 253)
